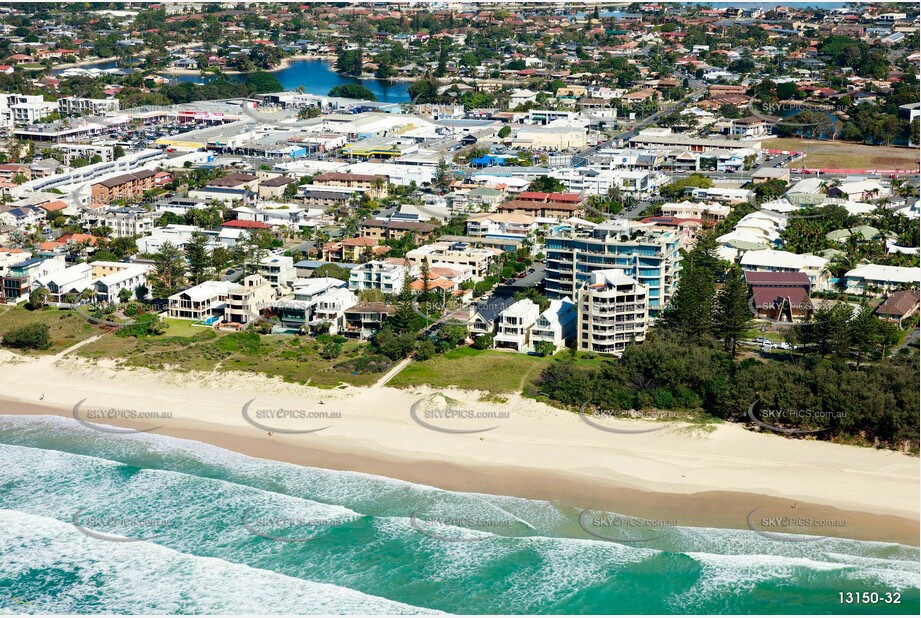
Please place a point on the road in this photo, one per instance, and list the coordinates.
(698, 88)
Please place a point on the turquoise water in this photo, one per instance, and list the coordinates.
(314, 76)
(92, 522)
(318, 77)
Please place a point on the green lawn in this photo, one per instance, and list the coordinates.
(65, 326)
(485, 370)
(181, 328)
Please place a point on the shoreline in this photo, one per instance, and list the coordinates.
(691, 477)
(286, 63)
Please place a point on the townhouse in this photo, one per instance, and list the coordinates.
(557, 325)
(875, 280)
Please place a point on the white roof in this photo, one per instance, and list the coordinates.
(859, 187)
(206, 290)
(315, 286)
(892, 274)
(522, 308)
(782, 259)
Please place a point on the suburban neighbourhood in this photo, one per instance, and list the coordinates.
(525, 193)
(459, 307)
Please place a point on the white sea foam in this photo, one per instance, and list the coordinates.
(146, 578)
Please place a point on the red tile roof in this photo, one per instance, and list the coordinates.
(253, 225)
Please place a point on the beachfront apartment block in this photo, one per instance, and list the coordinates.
(876, 280)
(378, 275)
(513, 326)
(557, 324)
(612, 312)
(455, 255)
(122, 221)
(650, 256)
(774, 261)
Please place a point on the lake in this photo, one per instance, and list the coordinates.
(316, 76)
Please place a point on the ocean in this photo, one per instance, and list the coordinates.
(92, 522)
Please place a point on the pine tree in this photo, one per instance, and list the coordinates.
(198, 257)
(733, 315)
(169, 270)
(690, 309)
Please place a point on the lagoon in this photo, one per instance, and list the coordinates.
(315, 76)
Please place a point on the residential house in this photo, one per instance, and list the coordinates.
(364, 319)
(513, 327)
(484, 315)
(246, 301)
(278, 270)
(900, 306)
(205, 302)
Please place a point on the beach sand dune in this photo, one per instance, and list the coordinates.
(460, 440)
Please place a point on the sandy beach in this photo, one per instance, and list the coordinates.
(696, 476)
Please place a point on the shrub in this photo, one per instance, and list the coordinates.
(29, 337)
